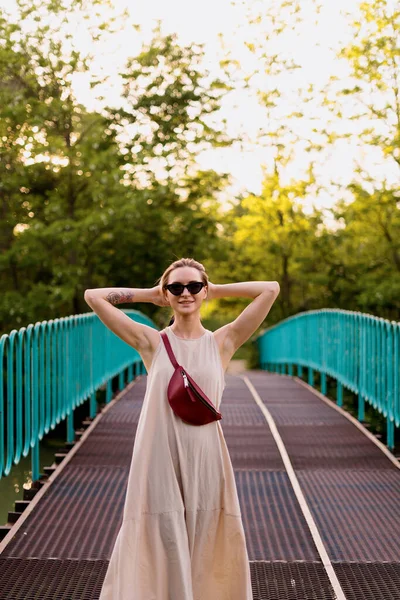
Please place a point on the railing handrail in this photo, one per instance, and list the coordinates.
(359, 350)
(50, 368)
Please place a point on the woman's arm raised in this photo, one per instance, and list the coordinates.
(232, 335)
(244, 289)
(120, 295)
(138, 335)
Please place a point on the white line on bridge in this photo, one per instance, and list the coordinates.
(337, 588)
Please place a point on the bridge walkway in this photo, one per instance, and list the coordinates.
(319, 495)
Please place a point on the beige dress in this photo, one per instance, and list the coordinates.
(182, 536)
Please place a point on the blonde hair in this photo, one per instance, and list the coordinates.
(182, 262)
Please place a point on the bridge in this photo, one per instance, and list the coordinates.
(319, 492)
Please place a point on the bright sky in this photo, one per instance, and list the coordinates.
(314, 49)
(203, 22)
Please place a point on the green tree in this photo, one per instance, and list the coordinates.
(72, 220)
(272, 237)
(372, 218)
(169, 102)
(52, 152)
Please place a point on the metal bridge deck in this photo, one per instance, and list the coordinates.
(320, 505)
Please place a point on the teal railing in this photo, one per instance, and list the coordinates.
(359, 350)
(50, 368)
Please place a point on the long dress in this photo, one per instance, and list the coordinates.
(182, 535)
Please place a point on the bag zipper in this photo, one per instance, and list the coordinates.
(203, 400)
(185, 379)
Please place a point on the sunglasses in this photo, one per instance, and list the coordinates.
(193, 287)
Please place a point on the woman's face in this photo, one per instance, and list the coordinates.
(186, 302)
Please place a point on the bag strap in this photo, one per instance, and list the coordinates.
(167, 344)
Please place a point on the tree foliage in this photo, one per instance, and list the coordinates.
(71, 217)
(110, 197)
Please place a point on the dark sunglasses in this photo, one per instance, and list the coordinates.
(193, 287)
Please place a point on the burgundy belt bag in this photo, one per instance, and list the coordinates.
(185, 397)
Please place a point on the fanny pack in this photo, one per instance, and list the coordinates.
(186, 398)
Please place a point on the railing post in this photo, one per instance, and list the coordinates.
(361, 407)
(109, 390)
(70, 427)
(389, 433)
(35, 461)
(339, 394)
(121, 380)
(300, 370)
(323, 384)
(92, 405)
(311, 376)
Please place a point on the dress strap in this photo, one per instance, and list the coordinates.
(169, 349)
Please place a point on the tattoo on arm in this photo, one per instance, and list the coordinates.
(120, 297)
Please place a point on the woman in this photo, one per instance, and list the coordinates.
(182, 535)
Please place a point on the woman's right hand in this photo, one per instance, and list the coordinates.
(158, 297)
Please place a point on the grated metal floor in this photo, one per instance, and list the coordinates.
(352, 489)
